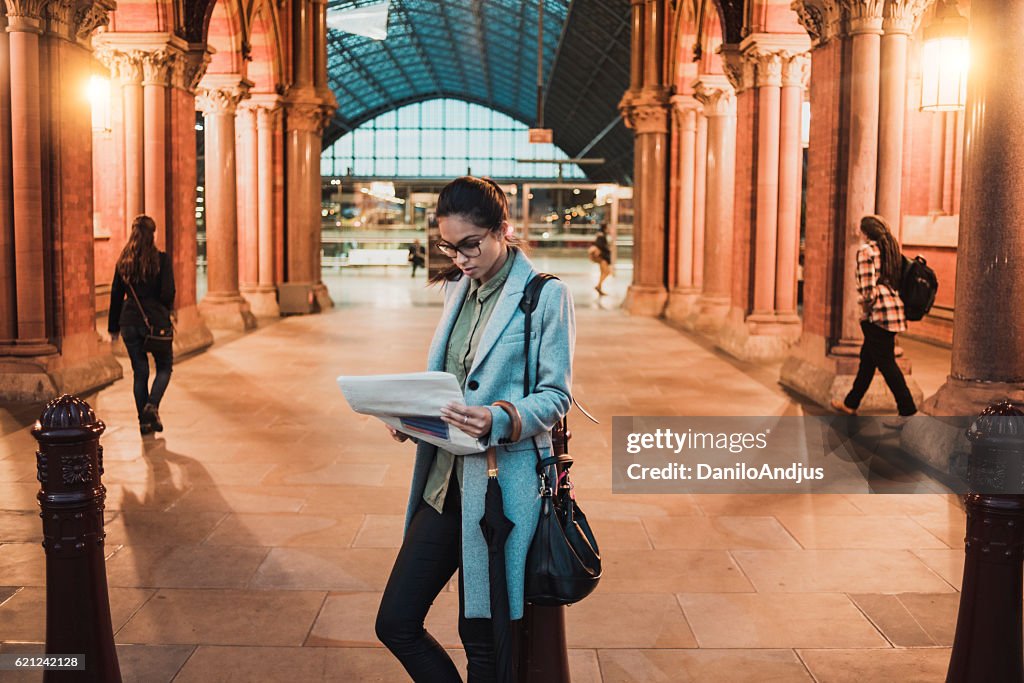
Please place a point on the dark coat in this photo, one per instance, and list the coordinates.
(156, 295)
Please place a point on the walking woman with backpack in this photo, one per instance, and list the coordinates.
(481, 340)
(879, 270)
(141, 301)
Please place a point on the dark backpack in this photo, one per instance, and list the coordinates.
(918, 286)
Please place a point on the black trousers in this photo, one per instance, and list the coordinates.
(426, 562)
(879, 351)
(134, 338)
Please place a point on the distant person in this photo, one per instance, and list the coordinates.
(143, 289)
(879, 265)
(601, 254)
(417, 256)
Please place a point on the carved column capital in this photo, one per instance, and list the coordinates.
(188, 70)
(903, 16)
(863, 16)
(738, 69)
(822, 19)
(796, 70)
(157, 67)
(305, 116)
(26, 15)
(221, 94)
(75, 20)
(716, 94)
(92, 17)
(770, 56)
(124, 65)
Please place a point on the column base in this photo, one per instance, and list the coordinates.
(681, 304)
(645, 300)
(39, 379)
(262, 300)
(759, 338)
(191, 335)
(825, 377)
(227, 312)
(323, 297)
(940, 433)
(708, 315)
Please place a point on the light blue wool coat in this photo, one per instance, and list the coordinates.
(498, 368)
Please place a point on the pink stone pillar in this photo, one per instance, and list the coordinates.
(898, 24)
(766, 223)
(29, 236)
(130, 73)
(223, 306)
(794, 78)
(684, 294)
(265, 301)
(636, 72)
(865, 32)
(8, 284)
(246, 144)
(719, 100)
(700, 165)
(302, 46)
(156, 74)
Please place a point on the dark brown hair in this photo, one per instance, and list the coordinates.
(139, 260)
(482, 202)
(877, 229)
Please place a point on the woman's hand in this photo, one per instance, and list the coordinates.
(473, 420)
(397, 435)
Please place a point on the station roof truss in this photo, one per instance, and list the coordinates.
(485, 51)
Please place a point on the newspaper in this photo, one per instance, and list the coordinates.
(411, 403)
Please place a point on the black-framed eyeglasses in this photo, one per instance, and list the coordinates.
(469, 247)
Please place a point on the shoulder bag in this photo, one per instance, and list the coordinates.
(158, 340)
(563, 564)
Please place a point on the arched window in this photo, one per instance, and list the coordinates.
(441, 138)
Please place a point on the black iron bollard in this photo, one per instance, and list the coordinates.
(72, 496)
(543, 650)
(987, 645)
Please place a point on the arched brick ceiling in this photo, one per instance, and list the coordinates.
(485, 51)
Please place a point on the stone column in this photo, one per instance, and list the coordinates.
(900, 19)
(262, 296)
(719, 100)
(155, 79)
(129, 69)
(988, 329)
(223, 306)
(246, 147)
(768, 67)
(685, 293)
(24, 26)
(302, 162)
(795, 77)
(636, 71)
(865, 22)
(8, 281)
(700, 168)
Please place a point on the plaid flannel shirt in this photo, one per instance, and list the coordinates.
(880, 304)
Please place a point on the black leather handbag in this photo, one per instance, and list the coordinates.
(563, 564)
(158, 339)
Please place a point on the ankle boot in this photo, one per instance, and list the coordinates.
(152, 416)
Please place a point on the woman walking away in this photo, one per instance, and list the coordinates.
(601, 254)
(480, 340)
(142, 298)
(879, 264)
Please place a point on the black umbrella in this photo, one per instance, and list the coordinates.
(496, 528)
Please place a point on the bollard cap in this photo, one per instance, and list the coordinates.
(67, 416)
(1001, 424)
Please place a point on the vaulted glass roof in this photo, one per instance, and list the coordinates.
(485, 52)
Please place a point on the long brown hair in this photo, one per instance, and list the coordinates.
(877, 229)
(482, 202)
(139, 260)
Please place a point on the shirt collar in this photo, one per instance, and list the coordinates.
(484, 291)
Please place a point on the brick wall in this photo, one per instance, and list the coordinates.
(181, 205)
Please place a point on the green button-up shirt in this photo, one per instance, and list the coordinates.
(462, 346)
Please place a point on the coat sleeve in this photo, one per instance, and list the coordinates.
(551, 397)
(167, 292)
(117, 293)
(867, 278)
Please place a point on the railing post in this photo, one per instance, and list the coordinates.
(543, 650)
(69, 468)
(987, 645)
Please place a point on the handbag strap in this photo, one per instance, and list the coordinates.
(138, 303)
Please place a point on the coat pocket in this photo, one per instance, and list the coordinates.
(517, 338)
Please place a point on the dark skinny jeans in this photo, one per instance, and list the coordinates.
(427, 560)
(879, 351)
(134, 338)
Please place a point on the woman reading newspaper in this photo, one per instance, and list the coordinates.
(479, 339)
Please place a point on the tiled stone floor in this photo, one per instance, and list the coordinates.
(251, 540)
